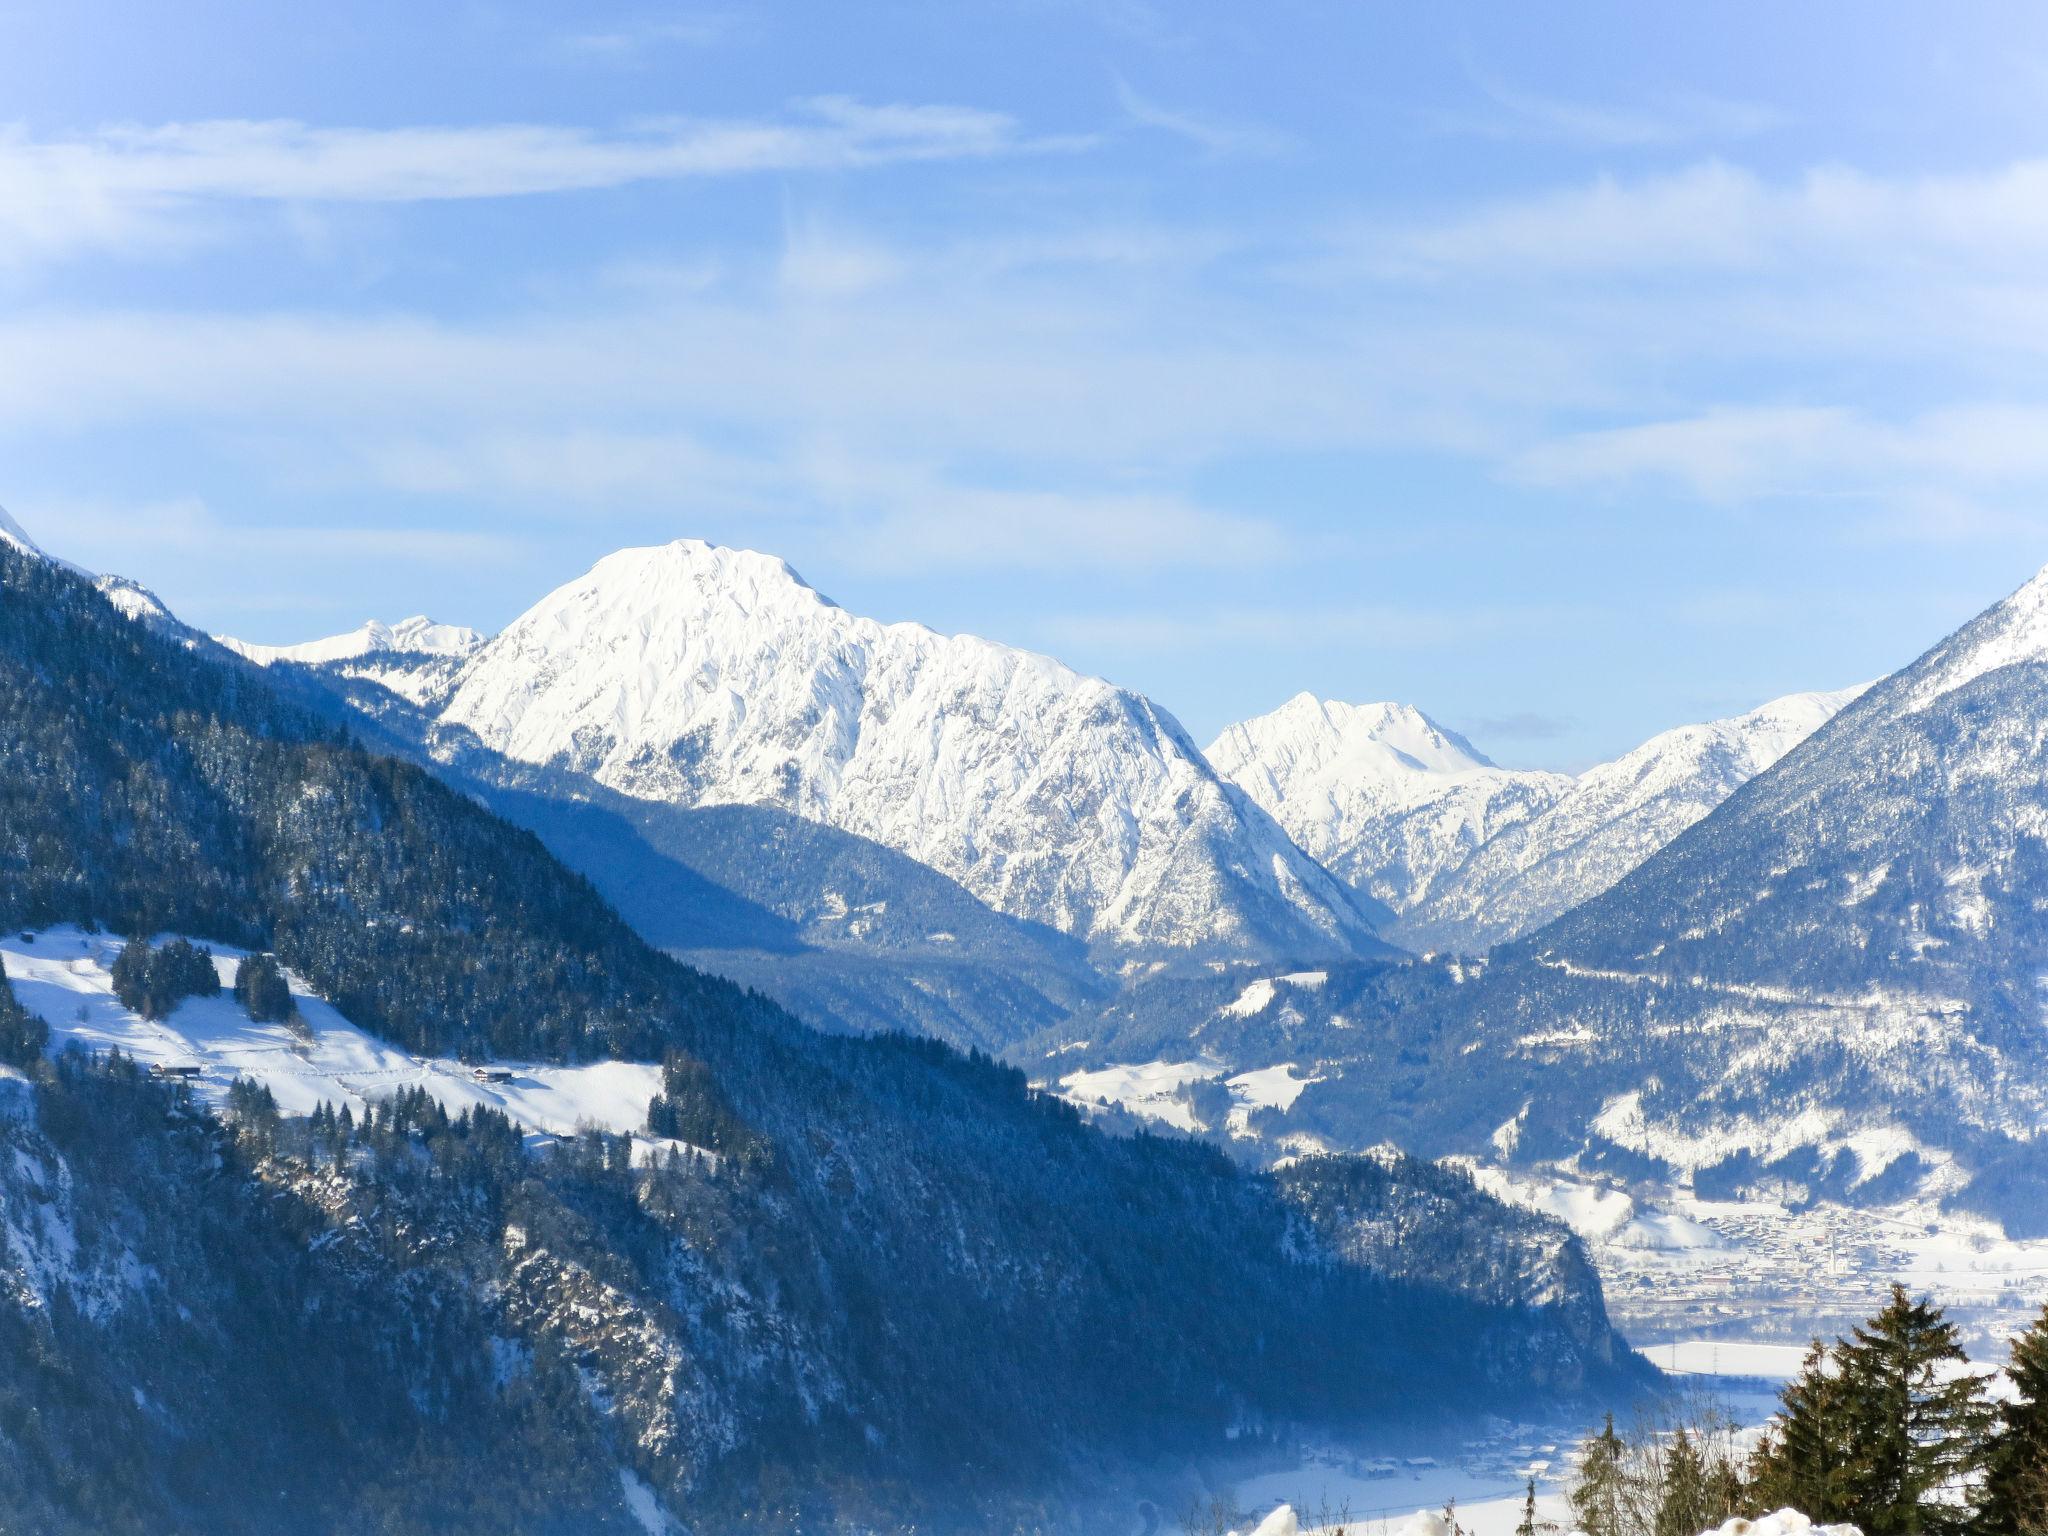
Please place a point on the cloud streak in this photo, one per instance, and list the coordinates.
(128, 184)
(1214, 135)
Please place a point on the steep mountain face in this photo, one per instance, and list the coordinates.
(1467, 854)
(898, 1275)
(844, 932)
(1608, 821)
(1384, 796)
(694, 675)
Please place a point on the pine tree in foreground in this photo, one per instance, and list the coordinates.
(2015, 1501)
(1690, 1500)
(1920, 1422)
(1884, 1431)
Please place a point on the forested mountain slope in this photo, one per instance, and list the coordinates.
(902, 1271)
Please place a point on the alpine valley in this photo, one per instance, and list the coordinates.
(749, 1066)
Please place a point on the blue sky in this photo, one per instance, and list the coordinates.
(1570, 373)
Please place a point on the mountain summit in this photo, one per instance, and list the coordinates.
(698, 675)
(1387, 798)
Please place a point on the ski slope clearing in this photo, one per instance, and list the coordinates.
(1150, 1090)
(65, 976)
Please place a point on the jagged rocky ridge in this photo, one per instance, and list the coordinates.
(776, 1329)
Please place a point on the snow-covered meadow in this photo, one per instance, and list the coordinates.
(65, 975)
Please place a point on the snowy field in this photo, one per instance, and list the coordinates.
(65, 976)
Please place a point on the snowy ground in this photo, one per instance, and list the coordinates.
(64, 975)
(1152, 1090)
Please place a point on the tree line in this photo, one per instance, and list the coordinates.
(1891, 1429)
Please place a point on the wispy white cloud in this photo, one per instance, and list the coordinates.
(103, 535)
(632, 44)
(870, 512)
(1368, 626)
(128, 184)
(1677, 117)
(1941, 473)
(1217, 136)
(1714, 215)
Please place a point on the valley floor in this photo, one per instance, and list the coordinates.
(1373, 1489)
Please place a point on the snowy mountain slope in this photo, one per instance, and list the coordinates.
(414, 658)
(12, 533)
(15, 534)
(1384, 796)
(698, 675)
(1608, 821)
(1469, 854)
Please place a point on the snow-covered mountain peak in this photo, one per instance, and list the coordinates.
(2010, 632)
(12, 532)
(418, 635)
(1311, 737)
(1381, 793)
(134, 600)
(701, 675)
(684, 574)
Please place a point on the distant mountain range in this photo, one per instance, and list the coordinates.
(1468, 854)
(692, 675)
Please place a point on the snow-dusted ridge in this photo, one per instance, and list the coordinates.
(1612, 818)
(418, 636)
(13, 533)
(701, 675)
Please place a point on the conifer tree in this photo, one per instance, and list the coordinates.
(1688, 1502)
(131, 975)
(1527, 1525)
(22, 1035)
(261, 989)
(2016, 1485)
(1596, 1495)
(1918, 1434)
